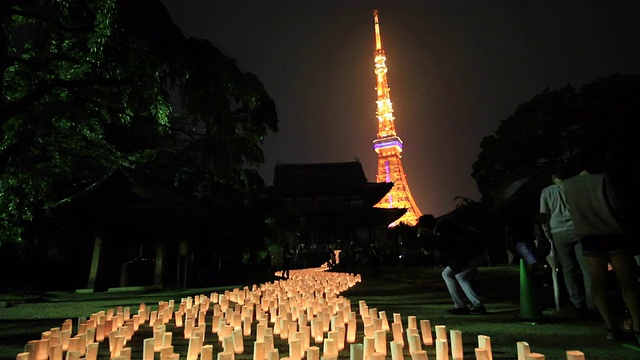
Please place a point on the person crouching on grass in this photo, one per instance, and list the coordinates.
(461, 253)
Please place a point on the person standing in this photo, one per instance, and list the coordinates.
(461, 252)
(287, 260)
(603, 208)
(558, 227)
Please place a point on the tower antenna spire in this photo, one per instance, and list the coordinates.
(388, 145)
(377, 28)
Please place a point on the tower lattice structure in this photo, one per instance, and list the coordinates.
(388, 144)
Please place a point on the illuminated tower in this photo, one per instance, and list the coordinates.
(388, 145)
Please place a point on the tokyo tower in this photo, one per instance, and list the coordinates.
(388, 145)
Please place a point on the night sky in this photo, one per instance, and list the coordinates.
(456, 69)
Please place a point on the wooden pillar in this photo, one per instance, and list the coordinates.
(95, 261)
(157, 274)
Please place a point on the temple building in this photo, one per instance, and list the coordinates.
(334, 203)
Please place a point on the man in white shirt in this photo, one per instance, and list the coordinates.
(558, 227)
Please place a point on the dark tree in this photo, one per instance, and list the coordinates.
(90, 85)
(553, 126)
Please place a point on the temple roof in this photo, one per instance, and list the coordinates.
(342, 173)
(344, 179)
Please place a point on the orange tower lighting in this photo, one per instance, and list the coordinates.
(388, 145)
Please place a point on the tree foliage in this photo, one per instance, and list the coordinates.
(88, 85)
(550, 128)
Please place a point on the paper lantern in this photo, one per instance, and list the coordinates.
(442, 349)
(456, 344)
(575, 355)
(427, 336)
(355, 352)
(484, 342)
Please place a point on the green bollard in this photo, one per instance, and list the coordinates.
(529, 311)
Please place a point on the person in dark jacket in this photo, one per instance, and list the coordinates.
(461, 253)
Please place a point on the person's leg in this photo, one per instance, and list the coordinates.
(588, 287)
(465, 279)
(564, 242)
(449, 277)
(525, 252)
(597, 269)
(626, 270)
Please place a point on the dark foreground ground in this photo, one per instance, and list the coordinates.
(409, 291)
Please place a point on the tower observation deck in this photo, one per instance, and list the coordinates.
(388, 144)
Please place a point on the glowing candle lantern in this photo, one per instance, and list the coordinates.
(246, 326)
(396, 331)
(165, 352)
(481, 354)
(148, 348)
(259, 350)
(306, 337)
(55, 352)
(356, 352)
(158, 335)
(273, 354)
(125, 354)
(92, 351)
(385, 321)
(260, 331)
(73, 344)
(326, 320)
(351, 330)
(292, 329)
(411, 322)
(366, 320)
(380, 337)
(118, 346)
(575, 355)
(396, 350)
(194, 348)
(420, 355)
(42, 349)
(167, 338)
(523, 350)
(100, 330)
(441, 332)
(277, 325)
(397, 318)
(414, 342)
(295, 349)
(23, 356)
(206, 352)
(484, 342)
(369, 347)
(456, 344)
(328, 347)
(534, 356)
(268, 341)
(238, 342)
(316, 330)
(73, 355)
(65, 337)
(227, 346)
(225, 355)
(303, 320)
(313, 353)
(341, 335)
(368, 330)
(377, 356)
(442, 349)
(284, 328)
(425, 329)
(377, 324)
(236, 321)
